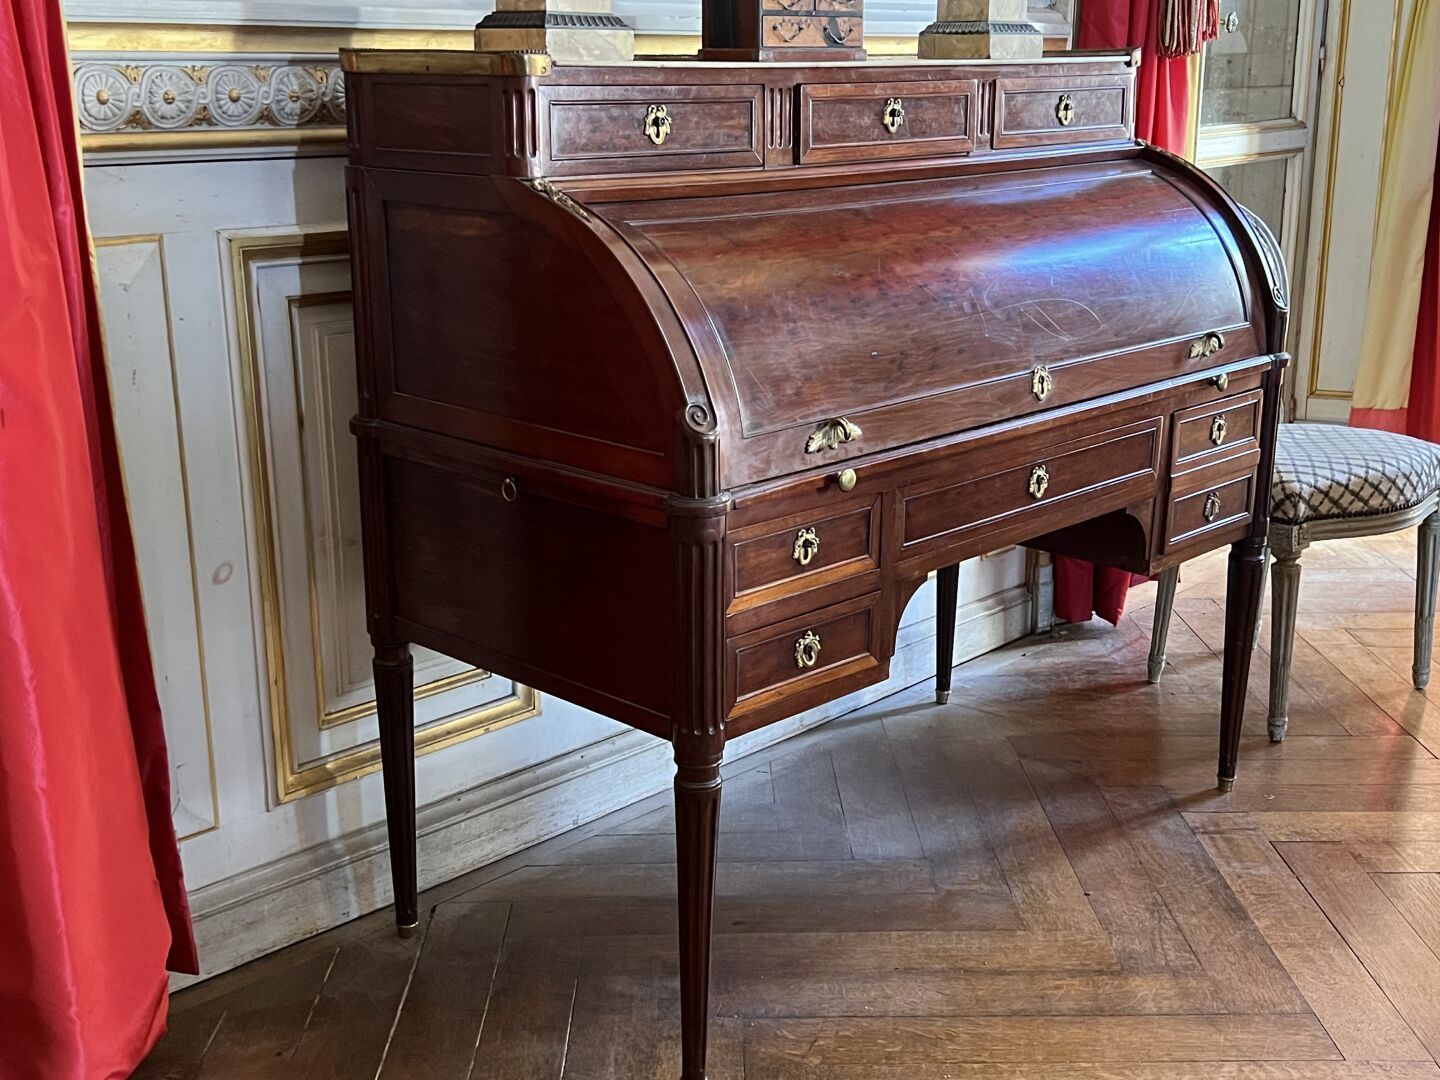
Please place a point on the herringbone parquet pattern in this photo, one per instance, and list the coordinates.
(1036, 882)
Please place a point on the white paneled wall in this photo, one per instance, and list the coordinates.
(225, 294)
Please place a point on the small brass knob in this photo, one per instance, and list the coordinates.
(1221, 381)
(846, 478)
(1218, 430)
(893, 115)
(807, 546)
(508, 491)
(1212, 506)
(1039, 481)
(657, 123)
(1041, 382)
(807, 650)
(1065, 110)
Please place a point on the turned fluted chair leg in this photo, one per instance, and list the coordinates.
(1284, 600)
(947, 599)
(1425, 581)
(1164, 606)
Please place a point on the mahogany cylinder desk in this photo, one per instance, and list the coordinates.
(678, 378)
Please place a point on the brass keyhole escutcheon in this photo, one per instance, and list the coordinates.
(657, 124)
(1221, 381)
(1041, 382)
(807, 650)
(1039, 481)
(1065, 110)
(1212, 506)
(846, 478)
(893, 115)
(508, 491)
(807, 546)
(1218, 429)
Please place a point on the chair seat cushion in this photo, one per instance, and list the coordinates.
(1327, 471)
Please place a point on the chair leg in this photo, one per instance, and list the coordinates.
(1164, 606)
(1425, 581)
(947, 599)
(1284, 599)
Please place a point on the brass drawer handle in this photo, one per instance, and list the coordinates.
(1218, 430)
(893, 115)
(1221, 381)
(1065, 110)
(1212, 506)
(807, 650)
(846, 478)
(1208, 345)
(657, 123)
(830, 434)
(1039, 481)
(807, 546)
(508, 491)
(1041, 382)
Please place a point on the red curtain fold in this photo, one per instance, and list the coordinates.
(1162, 117)
(91, 889)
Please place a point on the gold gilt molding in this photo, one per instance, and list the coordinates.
(294, 781)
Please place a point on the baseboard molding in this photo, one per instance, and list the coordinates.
(256, 912)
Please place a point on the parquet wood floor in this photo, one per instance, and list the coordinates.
(1035, 882)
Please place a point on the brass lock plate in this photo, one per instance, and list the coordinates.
(1039, 481)
(1065, 110)
(807, 546)
(1212, 506)
(657, 124)
(807, 650)
(893, 115)
(1219, 428)
(1041, 382)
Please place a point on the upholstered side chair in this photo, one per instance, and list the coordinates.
(1333, 482)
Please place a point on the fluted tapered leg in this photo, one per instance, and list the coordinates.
(395, 705)
(1242, 603)
(947, 598)
(1425, 579)
(697, 823)
(1284, 601)
(1164, 607)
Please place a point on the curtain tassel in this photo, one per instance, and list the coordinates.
(1186, 25)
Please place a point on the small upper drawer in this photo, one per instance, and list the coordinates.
(1223, 429)
(776, 558)
(642, 129)
(1051, 111)
(830, 29)
(878, 121)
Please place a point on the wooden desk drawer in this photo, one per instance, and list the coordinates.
(827, 29)
(774, 662)
(1028, 496)
(642, 129)
(1223, 429)
(1215, 508)
(776, 558)
(878, 121)
(1049, 111)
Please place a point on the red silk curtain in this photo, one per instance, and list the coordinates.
(1162, 117)
(91, 891)
(1422, 416)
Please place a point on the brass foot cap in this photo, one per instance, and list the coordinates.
(1226, 783)
(942, 696)
(1156, 670)
(407, 930)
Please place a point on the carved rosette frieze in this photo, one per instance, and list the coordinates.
(239, 93)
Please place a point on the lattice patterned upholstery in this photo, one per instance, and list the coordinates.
(1326, 471)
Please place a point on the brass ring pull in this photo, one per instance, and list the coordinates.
(657, 123)
(830, 434)
(807, 650)
(1041, 382)
(893, 115)
(1218, 430)
(1039, 481)
(508, 491)
(1065, 110)
(1212, 506)
(807, 546)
